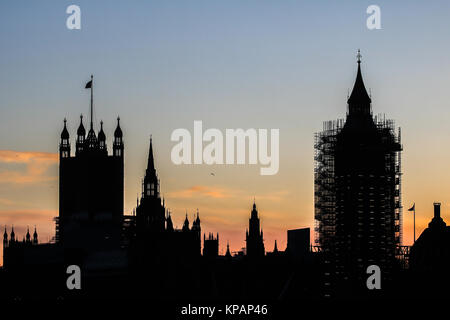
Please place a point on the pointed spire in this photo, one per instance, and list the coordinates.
(275, 249)
(28, 236)
(228, 253)
(186, 223)
(151, 161)
(359, 101)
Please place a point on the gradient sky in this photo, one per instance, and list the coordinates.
(160, 65)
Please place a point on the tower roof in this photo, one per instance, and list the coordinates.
(118, 131)
(254, 213)
(359, 96)
(65, 133)
(81, 130)
(151, 160)
(101, 133)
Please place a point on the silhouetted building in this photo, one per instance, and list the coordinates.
(254, 236)
(431, 251)
(210, 246)
(358, 190)
(153, 236)
(141, 255)
(14, 249)
(91, 189)
(298, 242)
(150, 213)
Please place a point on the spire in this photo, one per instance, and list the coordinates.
(228, 254)
(169, 225)
(28, 236)
(118, 143)
(359, 101)
(81, 131)
(102, 138)
(254, 213)
(35, 236)
(65, 133)
(186, 223)
(101, 133)
(118, 131)
(151, 161)
(275, 249)
(5, 234)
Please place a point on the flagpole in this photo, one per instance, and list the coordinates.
(92, 100)
(414, 223)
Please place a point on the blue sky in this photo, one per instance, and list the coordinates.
(160, 65)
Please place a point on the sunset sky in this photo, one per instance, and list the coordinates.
(160, 65)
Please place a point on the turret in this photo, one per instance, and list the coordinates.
(151, 182)
(81, 134)
(118, 142)
(28, 236)
(35, 236)
(5, 239)
(12, 237)
(196, 223)
(186, 224)
(102, 139)
(64, 146)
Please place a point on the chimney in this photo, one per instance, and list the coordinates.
(437, 221)
(437, 210)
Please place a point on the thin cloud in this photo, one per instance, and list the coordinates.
(36, 166)
(26, 215)
(201, 191)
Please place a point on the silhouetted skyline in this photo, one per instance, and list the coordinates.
(169, 64)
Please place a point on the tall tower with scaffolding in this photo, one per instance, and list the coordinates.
(357, 191)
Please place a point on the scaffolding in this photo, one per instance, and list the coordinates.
(325, 178)
(324, 182)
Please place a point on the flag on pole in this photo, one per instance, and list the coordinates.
(412, 208)
(88, 85)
